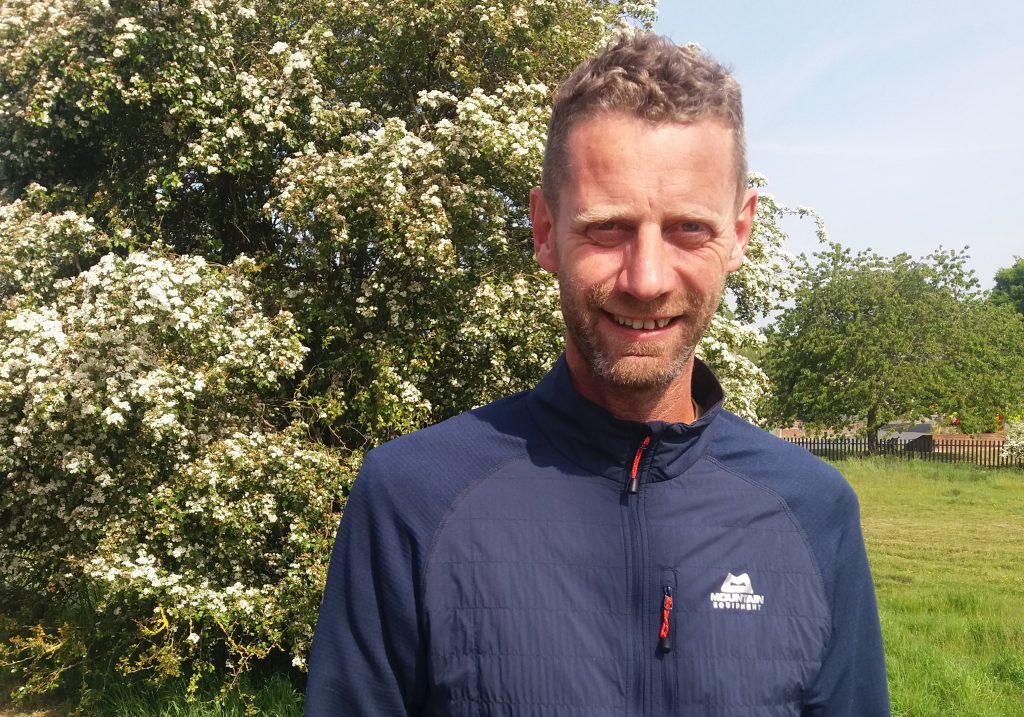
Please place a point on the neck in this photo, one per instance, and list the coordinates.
(672, 402)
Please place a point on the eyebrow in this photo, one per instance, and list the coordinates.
(608, 213)
(601, 214)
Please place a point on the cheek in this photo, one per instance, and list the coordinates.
(710, 288)
(705, 272)
(592, 266)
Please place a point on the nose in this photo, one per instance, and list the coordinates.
(646, 270)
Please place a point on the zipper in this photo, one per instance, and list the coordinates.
(634, 474)
(664, 640)
(639, 616)
(667, 634)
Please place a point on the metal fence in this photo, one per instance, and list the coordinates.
(927, 448)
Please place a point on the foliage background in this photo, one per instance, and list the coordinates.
(1009, 286)
(872, 339)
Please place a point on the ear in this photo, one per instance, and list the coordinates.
(744, 223)
(543, 231)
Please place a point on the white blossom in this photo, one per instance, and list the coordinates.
(1013, 446)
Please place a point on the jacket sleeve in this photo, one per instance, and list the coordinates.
(367, 657)
(852, 679)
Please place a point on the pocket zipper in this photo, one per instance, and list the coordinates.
(664, 642)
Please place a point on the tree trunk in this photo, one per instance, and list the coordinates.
(872, 429)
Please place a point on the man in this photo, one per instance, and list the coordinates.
(613, 542)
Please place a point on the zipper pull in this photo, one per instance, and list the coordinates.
(664, 643)
(634, 478)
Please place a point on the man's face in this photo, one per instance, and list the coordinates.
(648, 227)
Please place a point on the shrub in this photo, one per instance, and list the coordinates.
(145, 494)
(1014, 445)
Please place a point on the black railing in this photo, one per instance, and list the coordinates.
(928, 448)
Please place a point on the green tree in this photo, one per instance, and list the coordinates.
(988, 364)
(1009, 286)
(871, 339)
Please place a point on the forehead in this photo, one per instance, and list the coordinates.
(622, 157)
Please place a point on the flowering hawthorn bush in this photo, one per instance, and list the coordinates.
(172, 460)
(138, 468)
(235, 553)
(41, 246)
(439, 306)
(1014, 439)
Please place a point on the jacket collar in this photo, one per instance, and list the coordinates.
(600, 443)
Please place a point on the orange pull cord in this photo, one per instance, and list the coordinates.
(664, 644)
(634, 480)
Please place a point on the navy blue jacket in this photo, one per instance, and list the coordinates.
(499, 564)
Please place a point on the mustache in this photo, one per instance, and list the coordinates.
(603, 297)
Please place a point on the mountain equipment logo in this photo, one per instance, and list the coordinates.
(737, 594)
(737, 584)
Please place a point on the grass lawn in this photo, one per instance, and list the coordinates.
(946, 544)
(116, 696)
(275, 698)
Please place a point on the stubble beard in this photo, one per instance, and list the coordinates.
(645, 366)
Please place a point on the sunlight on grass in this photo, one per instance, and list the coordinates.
(117, 697)
(946, 544)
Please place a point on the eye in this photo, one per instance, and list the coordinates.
(608, 232)
(691, 233)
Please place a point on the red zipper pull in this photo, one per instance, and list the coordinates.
(634, 479)
(665, 644)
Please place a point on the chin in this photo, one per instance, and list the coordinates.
(643, 373)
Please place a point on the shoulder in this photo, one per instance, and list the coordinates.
(798, 477)
(816, 496)
(428, 468)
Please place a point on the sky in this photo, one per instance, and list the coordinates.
(900, 122)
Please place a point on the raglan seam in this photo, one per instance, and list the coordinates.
(452, 506)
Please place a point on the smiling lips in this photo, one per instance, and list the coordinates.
(646, 324)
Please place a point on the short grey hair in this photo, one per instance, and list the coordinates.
(651, 78)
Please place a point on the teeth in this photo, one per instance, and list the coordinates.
(646, 324)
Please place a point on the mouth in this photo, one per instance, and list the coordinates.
(645, 323)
